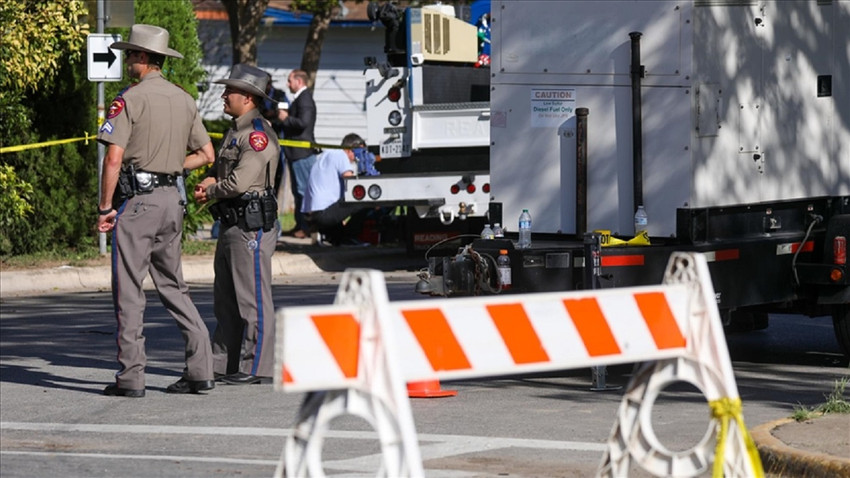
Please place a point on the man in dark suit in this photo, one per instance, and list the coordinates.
(298, 124)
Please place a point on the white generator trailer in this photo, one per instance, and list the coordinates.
(728, 120)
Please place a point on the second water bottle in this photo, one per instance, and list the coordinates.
(524, 230)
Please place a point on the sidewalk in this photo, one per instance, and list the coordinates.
(816, 448)
(292, 257)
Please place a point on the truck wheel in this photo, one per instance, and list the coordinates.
(841, 323)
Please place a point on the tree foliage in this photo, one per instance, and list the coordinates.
(15, 204)
(44, 96)
(37, 37)
(56, 101)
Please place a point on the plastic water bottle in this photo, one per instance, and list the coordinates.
(487, 232)
(641, 221)
(503, 263)
(524, 230)
(498, 231)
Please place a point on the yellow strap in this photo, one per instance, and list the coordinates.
(24, 147)
(723, 409)
(292, 143)
(608, 240)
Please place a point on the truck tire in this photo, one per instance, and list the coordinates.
(841, 323)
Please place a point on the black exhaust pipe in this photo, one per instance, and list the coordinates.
(581, 170)
(637, 72)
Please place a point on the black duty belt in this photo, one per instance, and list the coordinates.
(158, 179)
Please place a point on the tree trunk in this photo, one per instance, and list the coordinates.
(244, 17)
(313, 46)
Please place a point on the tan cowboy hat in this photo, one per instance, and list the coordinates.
(147, 38)
(248, 79)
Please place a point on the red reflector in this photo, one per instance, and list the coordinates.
(839, 250)
(727, 255)
(394, 94)
(359, 192)
(619, 261)
(835, 275)
(486, 187)
(807, 247)
(470, 188)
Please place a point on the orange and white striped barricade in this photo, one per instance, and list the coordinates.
(356, 356)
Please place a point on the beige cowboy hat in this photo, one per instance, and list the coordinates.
(147, 38)
(248, 79)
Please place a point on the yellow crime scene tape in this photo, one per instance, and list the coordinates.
(642, 239)
(291, 143)
(283, 142)
(24, 147)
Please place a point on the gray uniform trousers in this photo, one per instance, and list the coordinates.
(243, 341)
(146, 238)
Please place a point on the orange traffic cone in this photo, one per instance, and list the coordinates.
(428, 389)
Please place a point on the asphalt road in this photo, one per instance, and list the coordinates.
(57, 352)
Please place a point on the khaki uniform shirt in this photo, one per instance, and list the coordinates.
(156, 122)
(248, 158)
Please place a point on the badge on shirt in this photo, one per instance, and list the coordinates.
(258, 140)
(106, 128)
(115, 108)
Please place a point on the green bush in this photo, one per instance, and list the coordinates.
(63, 177)
(15, 208)
(60, 182)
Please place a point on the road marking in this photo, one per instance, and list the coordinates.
(433, 446)
(232, 461)
(456, 440)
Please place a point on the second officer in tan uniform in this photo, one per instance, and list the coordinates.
(241, 181)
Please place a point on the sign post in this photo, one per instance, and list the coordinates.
(105, 65)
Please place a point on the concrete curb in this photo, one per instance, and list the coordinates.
(783, 460)
(68, 278)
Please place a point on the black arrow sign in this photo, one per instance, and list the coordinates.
(108, 57)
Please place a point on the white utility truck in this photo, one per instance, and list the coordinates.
(427, 109)
(729, 121)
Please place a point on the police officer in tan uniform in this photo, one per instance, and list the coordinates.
(148, 130)
(242, 184)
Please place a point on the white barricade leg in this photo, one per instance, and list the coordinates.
(708, 367)
(380, 396)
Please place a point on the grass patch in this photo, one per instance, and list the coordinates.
(198, 248)
(86, 256)
(836, 402)
(71, 257)
(89, 255)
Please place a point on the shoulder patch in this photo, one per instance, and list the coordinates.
(258, 124)
(106, 128)
(258, 140)
(116, 107)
